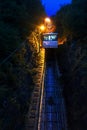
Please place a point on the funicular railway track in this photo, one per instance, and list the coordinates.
(52, 115)
(47, 110)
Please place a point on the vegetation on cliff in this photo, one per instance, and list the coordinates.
(18, 59)
(72, 57)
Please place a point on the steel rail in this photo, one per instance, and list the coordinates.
(52, 116)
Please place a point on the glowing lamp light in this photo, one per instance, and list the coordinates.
(42, 27)
(47, 20)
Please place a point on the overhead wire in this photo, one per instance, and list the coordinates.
(7, 58)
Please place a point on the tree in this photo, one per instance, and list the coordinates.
(73, 19)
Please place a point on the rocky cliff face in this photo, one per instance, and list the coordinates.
(72, 58)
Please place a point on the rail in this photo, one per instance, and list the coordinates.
(32, 118)
(52, 113)
(41, 98)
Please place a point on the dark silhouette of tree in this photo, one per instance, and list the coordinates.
(18, 18)
(72, 24)
(73, 19)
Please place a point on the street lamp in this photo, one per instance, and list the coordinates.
(42, 28)
(49, 25)
(47, 20)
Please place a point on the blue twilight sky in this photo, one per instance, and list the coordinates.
(52, 6)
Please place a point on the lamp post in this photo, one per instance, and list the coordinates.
(49, 25)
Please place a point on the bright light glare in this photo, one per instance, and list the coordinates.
(47, 20)
(42, 27)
